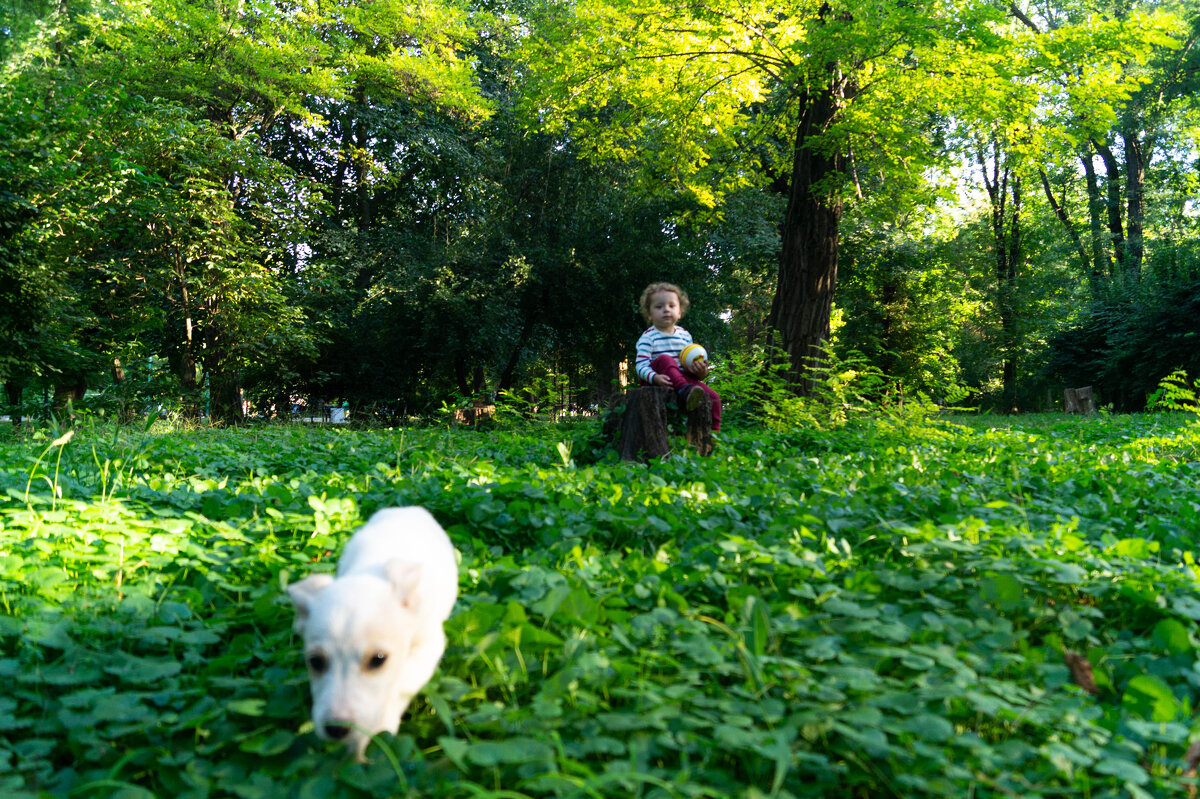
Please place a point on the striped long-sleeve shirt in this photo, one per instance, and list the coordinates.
(654, 343)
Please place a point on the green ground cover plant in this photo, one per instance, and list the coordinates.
(891, 608)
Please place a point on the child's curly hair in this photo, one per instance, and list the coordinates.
(654, 288)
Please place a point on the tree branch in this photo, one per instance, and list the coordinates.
(1061, 213)
(1019, 14)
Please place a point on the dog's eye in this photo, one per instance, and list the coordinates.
(318, 663)
(377, 660)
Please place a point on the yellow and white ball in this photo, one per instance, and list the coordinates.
(692, 353)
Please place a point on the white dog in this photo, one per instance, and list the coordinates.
(373, 636)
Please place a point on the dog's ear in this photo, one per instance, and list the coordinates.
(304, 593)
(405, 577)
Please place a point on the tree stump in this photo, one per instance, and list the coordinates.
(478, 412)
(1079, 400)
(637, 423)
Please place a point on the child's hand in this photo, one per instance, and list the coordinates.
(662, 380)
(699, 369)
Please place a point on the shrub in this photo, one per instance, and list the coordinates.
(1127, 342)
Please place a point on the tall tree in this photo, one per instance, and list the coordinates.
(169, 190)
(804, 95)
(1113, 78)
(1002, 180)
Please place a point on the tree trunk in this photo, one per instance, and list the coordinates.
(1007, 257)
(225, 392)
(1060, 211)
(225, 399)
(808, 262)
(508, 373)
(1135, 200)
(126, 411)
(362, 163)
(1116, 229)
(13, 389)
(185, 362)
(283, 403)
(67, 391)
(1006, 235)
(339, 181)
(460, 376)
(1100, 265)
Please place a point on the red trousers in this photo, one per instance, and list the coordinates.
(667, 365)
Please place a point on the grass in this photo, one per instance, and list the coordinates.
(884, 610)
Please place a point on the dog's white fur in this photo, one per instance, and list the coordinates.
(373, 636)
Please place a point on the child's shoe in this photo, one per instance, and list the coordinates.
(693, 398)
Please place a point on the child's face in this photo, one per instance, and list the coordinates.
(664, 310)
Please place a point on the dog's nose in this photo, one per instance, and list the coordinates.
(337, 731)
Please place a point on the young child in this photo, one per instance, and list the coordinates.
(657, 361)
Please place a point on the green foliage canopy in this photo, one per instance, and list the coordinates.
(136, 133)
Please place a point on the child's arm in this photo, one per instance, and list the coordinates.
(641, 362)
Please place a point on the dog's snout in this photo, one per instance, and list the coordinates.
(337, 731)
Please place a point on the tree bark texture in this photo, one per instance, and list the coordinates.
(225, 397)
(183, 362)
(1112, 203)
(1001, 184)
(637, 424)
(1135, 203)
(808, 261)
(1099, 263)
(1060, 212)
(1079, 400)
(184, 365)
